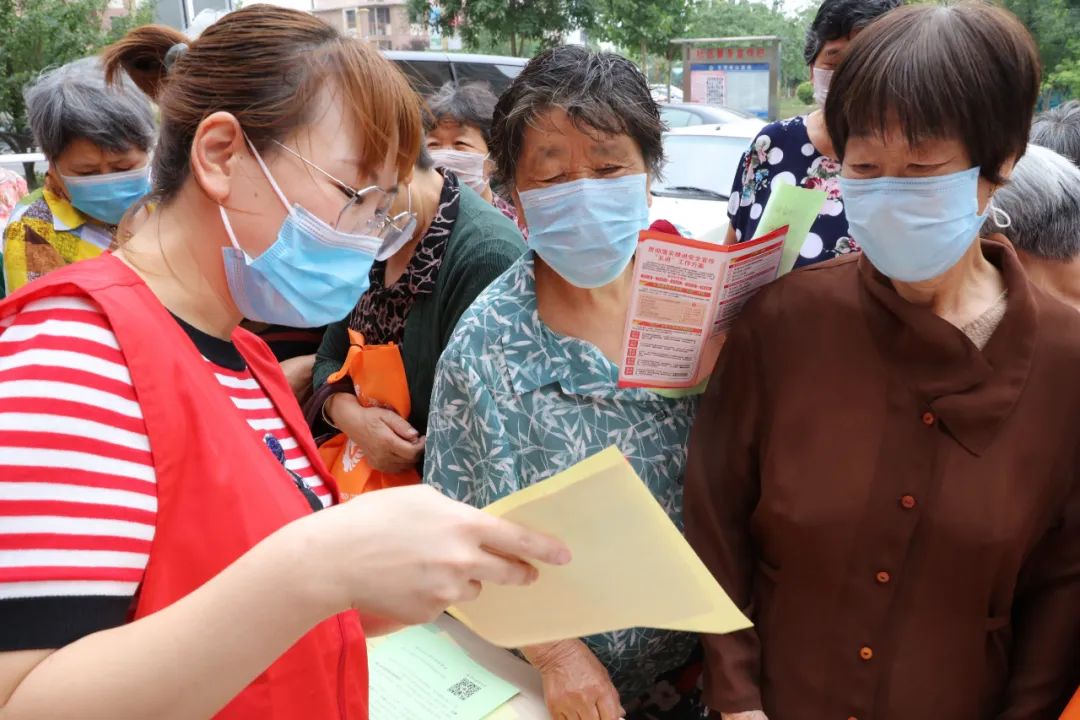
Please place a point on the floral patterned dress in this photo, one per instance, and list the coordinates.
(782, 153)
(515, 403)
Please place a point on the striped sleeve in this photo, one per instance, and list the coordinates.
(78, 497)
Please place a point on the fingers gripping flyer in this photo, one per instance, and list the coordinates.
(687, 294)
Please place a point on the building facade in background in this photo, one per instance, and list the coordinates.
(119, 8)
(383, 23)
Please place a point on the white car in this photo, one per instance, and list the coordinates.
(660, 93)
(701, 164)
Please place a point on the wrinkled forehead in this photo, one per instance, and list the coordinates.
(554, 134)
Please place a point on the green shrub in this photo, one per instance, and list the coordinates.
(805, 93)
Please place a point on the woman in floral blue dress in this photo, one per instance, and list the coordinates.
(528, 387)
(798, 151)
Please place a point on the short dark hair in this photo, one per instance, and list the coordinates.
(837, 19)
(598, 90)
(469, 104)
(1059, 130)
(968, 72)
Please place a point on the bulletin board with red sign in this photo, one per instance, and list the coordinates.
(743, 76)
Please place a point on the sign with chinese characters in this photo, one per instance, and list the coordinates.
(728, 54)
(741, 77)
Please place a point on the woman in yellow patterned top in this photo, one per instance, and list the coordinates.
(96, 140)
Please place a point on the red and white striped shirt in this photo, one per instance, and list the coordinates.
(78, 497)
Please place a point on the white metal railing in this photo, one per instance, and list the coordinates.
(20, 158)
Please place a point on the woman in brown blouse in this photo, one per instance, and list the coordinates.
(884, 470)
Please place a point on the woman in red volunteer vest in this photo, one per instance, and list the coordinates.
(160, 551)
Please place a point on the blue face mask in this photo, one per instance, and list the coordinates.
(311, 276)
(107, 197)
(587, 230)
(914, 229)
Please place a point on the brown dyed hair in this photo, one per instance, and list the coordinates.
(266, 66)
(968, 71)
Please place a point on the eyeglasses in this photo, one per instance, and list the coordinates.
(358, 217)
(398, 230)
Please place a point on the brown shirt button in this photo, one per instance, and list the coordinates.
(866, 652)
(928, 418)
(907, 502)
(883, 577)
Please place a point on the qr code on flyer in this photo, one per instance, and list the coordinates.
(464, 689)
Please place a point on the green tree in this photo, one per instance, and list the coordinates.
(1065, 77)
(143, 14)
(642, 25)
(1053, 24)
(39, 34)
(517, 22)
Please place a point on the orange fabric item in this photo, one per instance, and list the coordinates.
(1072, 712)
(379, 378)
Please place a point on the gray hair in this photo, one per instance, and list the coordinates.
(1042, 198)
(470, 104)
(1059, 130)
(73, 101)
(600, 91)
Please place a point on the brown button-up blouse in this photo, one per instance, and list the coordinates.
(897, 511)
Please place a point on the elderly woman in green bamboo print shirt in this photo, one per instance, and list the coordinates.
(527, 386)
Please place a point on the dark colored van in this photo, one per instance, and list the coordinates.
(428, 71)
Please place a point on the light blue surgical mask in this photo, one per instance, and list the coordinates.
(587, 230)
(311, 276)
(914, 229)
(107, 197)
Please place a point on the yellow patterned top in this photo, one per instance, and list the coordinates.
(45, 232)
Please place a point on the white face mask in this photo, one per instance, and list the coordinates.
(470, 167)
(822, 78)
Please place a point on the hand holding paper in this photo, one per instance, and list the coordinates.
(795, 208)
(631, 566)
(686, 294)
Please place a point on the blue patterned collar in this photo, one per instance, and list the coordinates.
(537, 356)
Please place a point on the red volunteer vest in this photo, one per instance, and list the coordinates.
(219, 490)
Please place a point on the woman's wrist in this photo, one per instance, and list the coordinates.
(328, 413)
(542, 656)
(327, 416)
(297, 556)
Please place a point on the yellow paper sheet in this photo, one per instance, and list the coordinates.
(631, 566)
(796, 207)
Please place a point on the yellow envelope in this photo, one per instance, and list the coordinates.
(631, 567)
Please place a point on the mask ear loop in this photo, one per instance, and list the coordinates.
(1001, 218)
(230, 233)
(484, 168)
(273, 184)
(269, 178)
